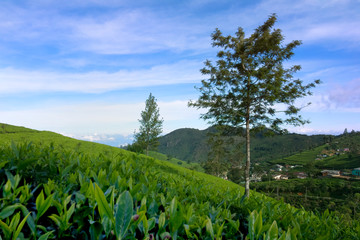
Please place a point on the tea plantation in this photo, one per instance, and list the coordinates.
(53, 187)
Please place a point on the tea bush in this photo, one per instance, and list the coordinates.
(49, 192)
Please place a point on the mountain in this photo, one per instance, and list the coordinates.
(187, 144)
(191, 145)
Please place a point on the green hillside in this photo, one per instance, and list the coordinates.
(61, 188)
(163, 157)
(9, 133)
(191, 145)
(330, 155)
(339, 195)
(187, 144)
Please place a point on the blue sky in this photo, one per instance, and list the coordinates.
(85, 68)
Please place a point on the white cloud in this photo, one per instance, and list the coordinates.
(140, 30)
(346, 95)
(121, 28)
(103, 118)
(333, 23)
(17, 81)
(313, 131)
(94, 137)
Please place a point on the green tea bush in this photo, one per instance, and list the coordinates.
(49, 192)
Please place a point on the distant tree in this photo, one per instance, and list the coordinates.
(216, 163)
(248, 80)
(150, 126)
(310, 169)
(135, 147)
(354, 203)
(236, 174)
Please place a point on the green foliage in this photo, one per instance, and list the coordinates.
(122, 195)
(336, 158)
(191, 145)
(219, 157)
(150, 126)
(248, 80)
(337, 195)
(163, 157)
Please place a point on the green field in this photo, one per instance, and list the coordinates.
(163, 157)
(318, 194)
(344, 161)
(61, 188)
(301, 158)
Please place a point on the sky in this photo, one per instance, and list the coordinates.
(85, 68)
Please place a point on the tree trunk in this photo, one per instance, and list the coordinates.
(247, 119)
(247, 165)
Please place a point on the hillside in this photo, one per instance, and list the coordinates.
(163, 157)
(62, 188)
(191, 145)
(339, 195)
(10, 133)
(187, 144)
(341, 152)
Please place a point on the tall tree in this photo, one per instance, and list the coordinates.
(248, 82)
(150, 126)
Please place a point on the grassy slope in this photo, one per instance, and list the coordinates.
(301, 158)
(271, 210)
(333, 162)
(163, 157)
(21, 134)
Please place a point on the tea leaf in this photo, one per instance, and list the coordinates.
(272, 233)
(9, 210)
(103, 205)
(42, 205)
(45, 236)
(123, 214)
(20, 226)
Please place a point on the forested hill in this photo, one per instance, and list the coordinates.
(191, 144)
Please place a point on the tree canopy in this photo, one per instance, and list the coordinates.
(150, 126)
(249, 82)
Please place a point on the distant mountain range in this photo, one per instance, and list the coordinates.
(191, 145)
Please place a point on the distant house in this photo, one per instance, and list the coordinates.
(280, 177)
(356, 172)
(256, 177)
(330, 173)
(278, 167)
(300, 175)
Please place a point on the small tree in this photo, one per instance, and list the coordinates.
(248, 80)
(217, 163)
(150, 126)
